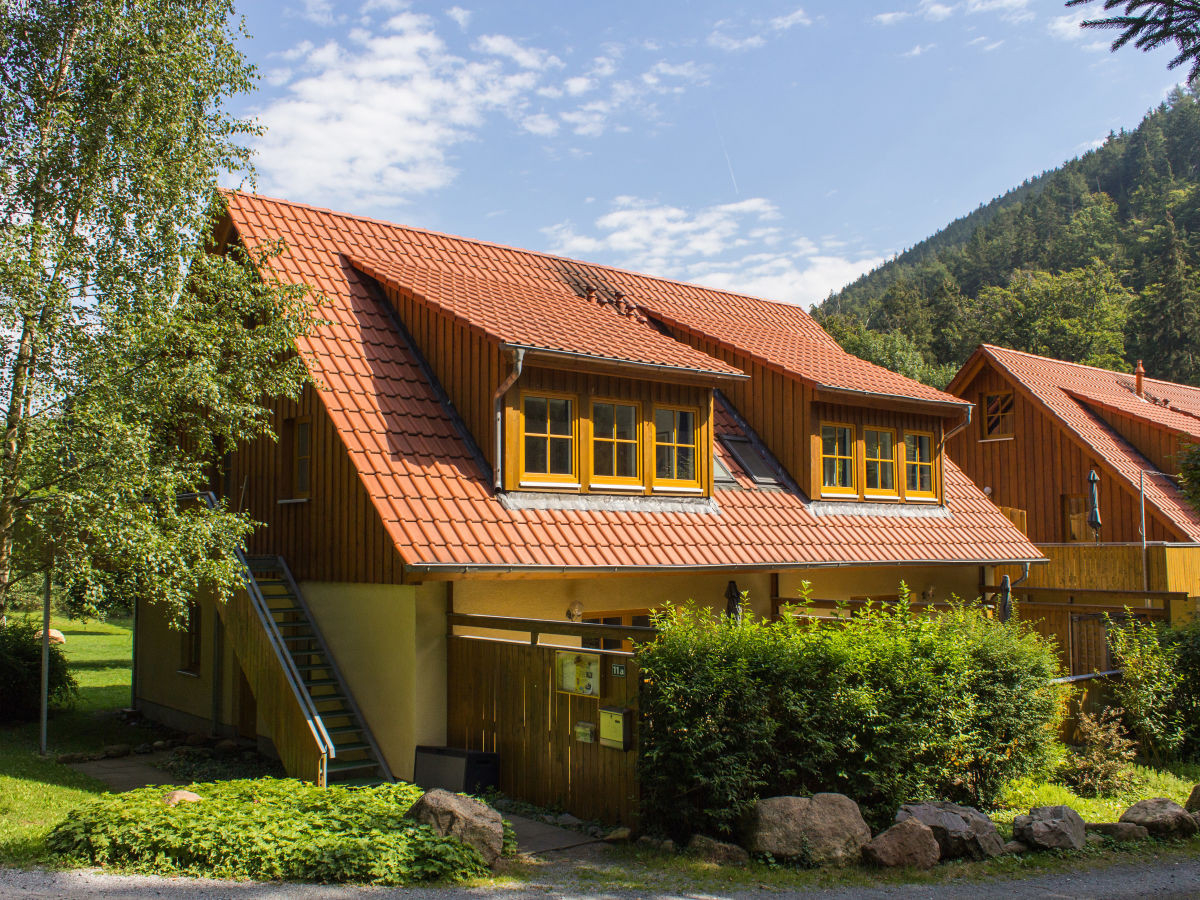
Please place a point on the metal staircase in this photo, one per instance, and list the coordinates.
(356, 757)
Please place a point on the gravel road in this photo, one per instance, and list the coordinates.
(1178, 878)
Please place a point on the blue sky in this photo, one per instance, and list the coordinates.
(771, 148)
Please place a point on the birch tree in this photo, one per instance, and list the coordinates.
(131, 354)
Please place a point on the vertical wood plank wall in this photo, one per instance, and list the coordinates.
(335, 535)
(1159, 446)
(276, 703)
(502, 699)
(1041, 463)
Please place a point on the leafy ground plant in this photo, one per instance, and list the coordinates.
(1101, 766)
(268, 829)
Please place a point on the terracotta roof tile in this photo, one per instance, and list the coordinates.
(436, 502)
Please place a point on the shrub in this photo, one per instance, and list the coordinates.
(21, 672)
(1186, 641)
(1101, 766)
(268, 829)
(1148, 688)
(885, 706)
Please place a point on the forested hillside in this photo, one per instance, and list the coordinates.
(1096, 262)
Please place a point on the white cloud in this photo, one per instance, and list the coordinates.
(318, 11)
(1012, 10)
(722, 41)
(935, 12)
(525, 57)
(460, 15)
(919, 50)
(732, 246)
(540, 124)
(891, 18)
(1066, 28)
(578, 85)
(797, 17)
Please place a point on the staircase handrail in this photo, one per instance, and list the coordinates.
(307, 706)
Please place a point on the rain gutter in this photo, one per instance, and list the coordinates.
(626, 364)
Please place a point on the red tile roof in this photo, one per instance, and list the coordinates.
(437, 503)
(1074, 394)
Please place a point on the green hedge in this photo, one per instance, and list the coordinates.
(268, 829)
(21, 672)
(887, 706)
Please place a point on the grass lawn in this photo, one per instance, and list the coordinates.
(36, 793)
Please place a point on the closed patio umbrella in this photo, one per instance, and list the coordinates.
(1093, 518)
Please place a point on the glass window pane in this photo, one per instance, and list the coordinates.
(560, 416)
(926, 444)
(535, 455)
(686, 431)
(302, 474)
(828, 440)
(627, 460)
(302, 435)
(828, 470)
(887, 477)
(926, 479)
(843, 441)
(871, 444)
(872, 474)
(602, 420)
(602, 458)
(662, 462)
(843, 472)
(664, 425)
(561, 462)
(686, 461)
(535, 415)
(910, 481)
(627, 423)
(886, 450)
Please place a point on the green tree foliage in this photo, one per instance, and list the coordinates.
(885, 706)
(1115, 235)
(1150, 24)
(130, 357)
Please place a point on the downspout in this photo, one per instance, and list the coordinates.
(497, 399)
(957, 428)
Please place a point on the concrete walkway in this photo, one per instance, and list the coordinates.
(127, 773)
(535, 838)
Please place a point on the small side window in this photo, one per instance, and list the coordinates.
(997, 418)
(190, 644)
(302, 459)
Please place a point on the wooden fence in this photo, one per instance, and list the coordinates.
(503, 697)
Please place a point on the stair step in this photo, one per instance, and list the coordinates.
(351, 765)
(352, 748)
(322, 682)
(328, 698)
(344, 729)
(359, 782)
(309, 667)
(300, 637)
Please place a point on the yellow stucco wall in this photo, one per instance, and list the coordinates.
(882, 581)
(160, 680)
(390, 644)
(550, 598)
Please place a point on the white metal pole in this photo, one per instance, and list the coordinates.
(45, 660)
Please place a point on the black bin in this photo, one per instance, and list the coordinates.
(460, 771)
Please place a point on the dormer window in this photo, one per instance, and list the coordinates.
(918, 465)
(615, 454)
(675, 448)
(837, 459)
(548, 441)
(879, 457)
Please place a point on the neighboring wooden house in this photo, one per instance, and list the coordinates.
(495, 432)
(1041, 427)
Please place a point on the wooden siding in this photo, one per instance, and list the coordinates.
(334, 535)
(501, 698)
(469, 365)
(1039, 464)
(585, 386)
(277, 705)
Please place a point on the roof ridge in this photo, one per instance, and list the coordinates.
(1064, 362)
(498, 246)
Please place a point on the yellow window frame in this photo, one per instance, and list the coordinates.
(869, 491)
(548, 479)
(637, 481)
(302, 458)
(851, 462)
(917, 464)
(1005, 421)
(678, 484)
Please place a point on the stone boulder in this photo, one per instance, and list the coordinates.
(1193, 800)
(471, 821)
(719, 852)
(825, 829)
(662, 845)
(961, 831)
(907, 843)
(174, 798)
(1121, 832)
(1015, 848)
(1051, 828)
(56, 636)
(1161, 817)
(116, 751)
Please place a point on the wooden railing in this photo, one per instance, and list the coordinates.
(502, 697)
